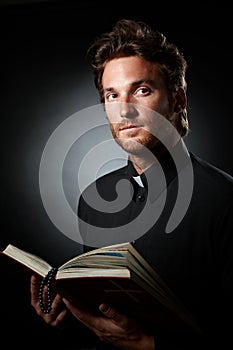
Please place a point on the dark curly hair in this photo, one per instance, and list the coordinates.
(136, 38)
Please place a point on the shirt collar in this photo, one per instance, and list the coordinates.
(138, 179)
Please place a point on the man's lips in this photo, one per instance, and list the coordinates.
(128, 127)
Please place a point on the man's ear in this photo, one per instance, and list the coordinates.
(180, 100)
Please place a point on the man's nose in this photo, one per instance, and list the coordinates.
(127, 110)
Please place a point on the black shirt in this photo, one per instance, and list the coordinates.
(195, 258)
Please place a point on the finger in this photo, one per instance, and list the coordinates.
(34, 289)
(73, 307)
(111, 312)
(58, 310)
(57, 314)
(83, 316)
(122, 322)
(56, 319)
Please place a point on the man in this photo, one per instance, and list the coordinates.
(140, 77)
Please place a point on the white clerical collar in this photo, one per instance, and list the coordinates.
(138, 180)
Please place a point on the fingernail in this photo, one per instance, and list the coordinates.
(104, 307)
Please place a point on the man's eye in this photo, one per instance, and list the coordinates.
(111, 97)
(143, 91)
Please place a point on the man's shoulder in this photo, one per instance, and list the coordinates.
(211, 176)
(113, 175)
(108, 180)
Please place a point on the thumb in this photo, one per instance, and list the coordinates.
(110, 312)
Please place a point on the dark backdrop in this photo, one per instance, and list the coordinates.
(45, 78)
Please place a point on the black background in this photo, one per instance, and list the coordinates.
(45, 78)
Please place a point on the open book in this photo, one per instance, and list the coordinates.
(116, 274)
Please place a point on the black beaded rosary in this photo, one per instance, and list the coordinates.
(47, 280)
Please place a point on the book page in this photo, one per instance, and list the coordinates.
(32, 261)
(93, 272)
(112, 249)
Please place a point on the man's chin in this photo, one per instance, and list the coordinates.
(132, 146)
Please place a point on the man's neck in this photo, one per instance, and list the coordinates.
(140, 164)
(144, 160)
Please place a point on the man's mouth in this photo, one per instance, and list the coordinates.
(128, 127)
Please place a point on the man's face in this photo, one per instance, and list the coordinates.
(135, 97)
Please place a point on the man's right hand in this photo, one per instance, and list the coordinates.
(59, 311)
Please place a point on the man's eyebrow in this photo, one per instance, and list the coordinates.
(108, 89)
(144, 81)
(135, 83)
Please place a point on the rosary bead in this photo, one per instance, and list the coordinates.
(47, 280)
